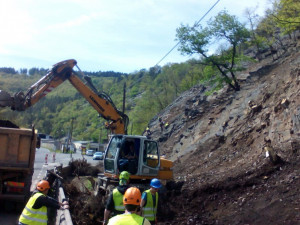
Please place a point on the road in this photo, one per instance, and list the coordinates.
(41, 166)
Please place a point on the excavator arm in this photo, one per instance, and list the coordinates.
(116, 121)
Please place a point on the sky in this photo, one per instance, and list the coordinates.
(103, 35)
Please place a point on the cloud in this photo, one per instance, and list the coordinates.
(79, 21)
(17, 26)
(122, 35)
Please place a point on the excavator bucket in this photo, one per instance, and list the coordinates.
(5, 99)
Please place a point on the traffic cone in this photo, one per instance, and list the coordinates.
(46, 159)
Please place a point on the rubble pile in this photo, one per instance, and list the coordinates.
(85, 207)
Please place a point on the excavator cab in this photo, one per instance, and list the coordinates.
(135, 154)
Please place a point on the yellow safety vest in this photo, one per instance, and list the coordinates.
(118, 201)
(126, 219)
(149, 210)
(33, 216)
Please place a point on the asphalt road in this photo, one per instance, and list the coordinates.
(41, 165)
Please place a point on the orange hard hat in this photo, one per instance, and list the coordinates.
(43, 185)
(132, 196)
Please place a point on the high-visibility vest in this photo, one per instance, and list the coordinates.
(118, 201)
(149, 210)
(126, 219)
(34, 216)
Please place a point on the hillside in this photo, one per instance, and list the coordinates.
(218, 143)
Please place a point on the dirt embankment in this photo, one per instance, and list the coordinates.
(219, 144)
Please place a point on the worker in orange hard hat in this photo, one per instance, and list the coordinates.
(35, 211)
(131, 201)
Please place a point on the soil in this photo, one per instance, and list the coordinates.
(236, 154)
(219, 143)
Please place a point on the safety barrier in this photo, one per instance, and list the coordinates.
(63, 217)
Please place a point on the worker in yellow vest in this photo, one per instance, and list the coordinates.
(131, 201)
(149, 201)
(35, 211)
(114, 203)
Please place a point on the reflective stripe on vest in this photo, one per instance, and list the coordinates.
(126, 219)
(34, 216)
(118, 200)
(149, 210)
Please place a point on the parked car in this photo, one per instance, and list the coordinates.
(90, 152)
(98, 155)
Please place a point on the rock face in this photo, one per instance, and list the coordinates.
(236, 154)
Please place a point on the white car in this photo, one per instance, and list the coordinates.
(90, 152)
(98, 155)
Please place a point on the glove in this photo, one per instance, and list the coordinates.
(65, 203)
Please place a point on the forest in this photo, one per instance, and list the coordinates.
(148, 91)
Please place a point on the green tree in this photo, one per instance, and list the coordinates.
(267, 30)
(287, 15)
(223, 28)
(255, 39)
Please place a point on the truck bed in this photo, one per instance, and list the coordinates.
(16, 150)
(17, 154)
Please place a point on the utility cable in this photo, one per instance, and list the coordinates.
(194, 26)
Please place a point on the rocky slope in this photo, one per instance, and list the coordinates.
(220, 143)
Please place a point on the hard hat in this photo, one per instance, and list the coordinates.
(43, 185)
(155, 183)
(132, 196)
(124, 175)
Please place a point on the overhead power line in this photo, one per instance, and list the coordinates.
(176, 44)
(194, 25)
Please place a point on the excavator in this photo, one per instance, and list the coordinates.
(144, 162)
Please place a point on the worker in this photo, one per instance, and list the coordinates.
(148, 132)
(166, 125)
(35, 211)
(131, 154)
(150, 201)
(161, 124)
(129, 158)
(131, 201)
(114, 203)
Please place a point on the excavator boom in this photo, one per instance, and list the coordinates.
(147, 163)
(60, 72)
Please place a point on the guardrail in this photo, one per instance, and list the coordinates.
(63, 217)
(60, 216)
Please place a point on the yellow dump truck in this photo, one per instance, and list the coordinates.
(17, 154)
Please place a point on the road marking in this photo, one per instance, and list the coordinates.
(39, 177)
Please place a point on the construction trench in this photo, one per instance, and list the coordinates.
(78, 185)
